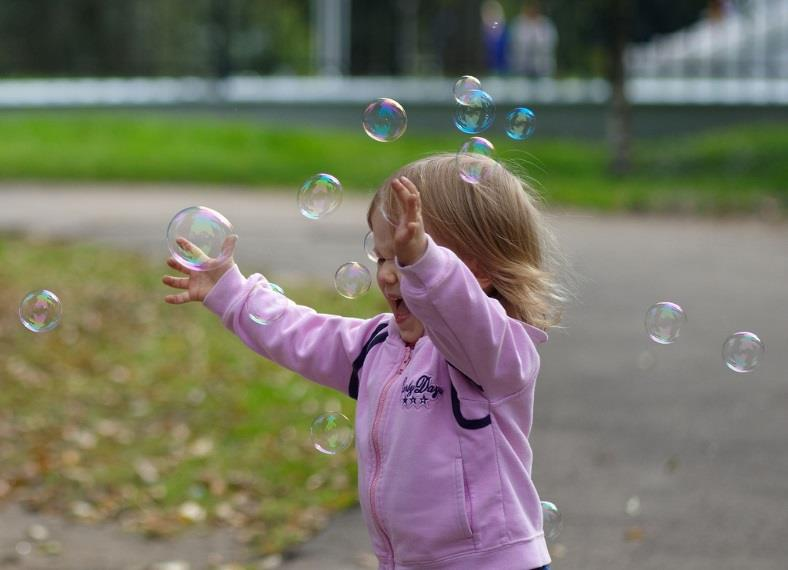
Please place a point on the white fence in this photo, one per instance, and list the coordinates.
(88, 92)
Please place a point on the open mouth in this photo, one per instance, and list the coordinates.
(400, 309)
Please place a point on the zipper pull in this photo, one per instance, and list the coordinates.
(405, 359)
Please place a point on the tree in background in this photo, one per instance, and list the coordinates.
(153, 37)
(593, 38)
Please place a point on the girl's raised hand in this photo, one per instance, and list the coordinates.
(410, 241)
(197, 284)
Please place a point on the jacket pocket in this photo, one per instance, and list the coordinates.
(462, 501)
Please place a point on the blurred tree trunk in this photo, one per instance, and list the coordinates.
(221, 29)
(619, 127)
(408, 45)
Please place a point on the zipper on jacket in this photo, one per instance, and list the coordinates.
(376, 445)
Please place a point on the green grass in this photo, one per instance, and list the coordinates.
(736, 170)
(132, 408)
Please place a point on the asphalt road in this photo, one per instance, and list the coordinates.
(658, 456)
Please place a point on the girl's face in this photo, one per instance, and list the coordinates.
(410, 328)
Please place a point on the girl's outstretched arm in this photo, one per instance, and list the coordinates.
(317, 346)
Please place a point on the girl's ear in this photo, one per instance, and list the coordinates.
(484, 279)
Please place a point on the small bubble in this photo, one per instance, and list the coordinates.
(474, 159)
(369, 247)
(464, 84)
(265, 308)
(664, 321)
(520, 124)
(474, 112)
(742, 351)
(384, 120)
(552, 521)
(319, 196)
(331, 433)
(352, 280)
(40, 311)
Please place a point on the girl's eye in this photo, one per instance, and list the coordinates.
(381, 261)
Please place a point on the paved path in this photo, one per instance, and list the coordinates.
(658, 456)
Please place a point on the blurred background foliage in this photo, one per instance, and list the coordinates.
(221, 37)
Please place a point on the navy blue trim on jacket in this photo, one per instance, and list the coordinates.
(464, 422)
(375, 338)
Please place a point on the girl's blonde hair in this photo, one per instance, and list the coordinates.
(495, 223)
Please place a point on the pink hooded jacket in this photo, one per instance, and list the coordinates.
(444, 464)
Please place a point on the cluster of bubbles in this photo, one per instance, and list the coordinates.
(474, 113)
(741, 351)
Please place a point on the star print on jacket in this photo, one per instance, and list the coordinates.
(420, 393)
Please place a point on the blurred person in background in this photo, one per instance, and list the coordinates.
(494, 36)
(532, 42)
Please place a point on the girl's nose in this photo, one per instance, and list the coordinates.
(388, 274)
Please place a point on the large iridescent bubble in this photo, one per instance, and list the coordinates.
(742, 351)
(40, 311)
(197, 238)
(474, 112)
(664, 321)
(319, 196)
(384, 120)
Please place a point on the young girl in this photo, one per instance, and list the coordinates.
(445, 382)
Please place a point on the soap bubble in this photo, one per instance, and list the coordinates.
(384, 120)
(331, 433)
(319, 196)
(474, 111)
(742, 351)
(197, 237)
(473, 159)
(369, 247)
(664, 321)
(264, 309)
(552, 521)
(40, 311)
(464, 84)
(352, 280)
(520, 123)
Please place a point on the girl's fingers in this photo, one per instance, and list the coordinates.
(178, 298)
(176, 282)
(228, 247)
(408, 183)
(172, 262)
(191, 248)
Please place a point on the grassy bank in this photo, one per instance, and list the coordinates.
(154, 415)
(740, 170)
